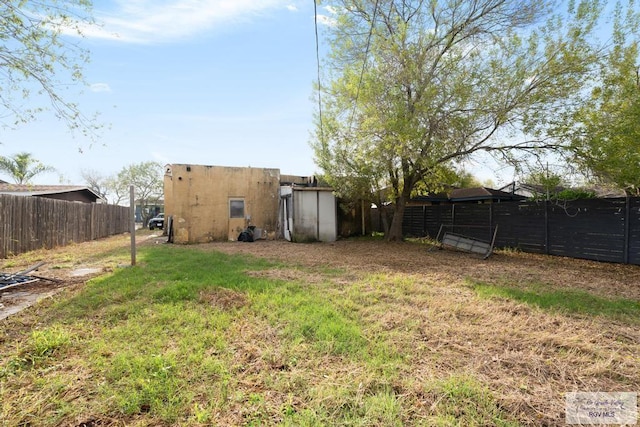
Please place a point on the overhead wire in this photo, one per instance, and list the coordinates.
(364, 62)
(362, 71)
(315, 17)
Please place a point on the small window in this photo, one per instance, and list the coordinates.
(236, 208)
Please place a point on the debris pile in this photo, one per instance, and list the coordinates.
(9, 280)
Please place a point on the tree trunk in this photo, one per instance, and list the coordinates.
(394, 233)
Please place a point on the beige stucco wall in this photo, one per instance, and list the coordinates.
(197, 197)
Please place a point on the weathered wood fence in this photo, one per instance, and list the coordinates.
(597, 229)
(29, 223)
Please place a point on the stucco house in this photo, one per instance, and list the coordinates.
(212, 203)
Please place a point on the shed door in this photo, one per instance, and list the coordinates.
(237, 221)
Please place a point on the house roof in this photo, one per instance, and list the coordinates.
(45, 190)
(431, 197)
(468, 195)
(601, 191)
(525, 188)
(481, 193)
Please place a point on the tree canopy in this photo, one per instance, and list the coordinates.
(22, 167)
(39, 60)
(411, 88)
(604, 130)
(146, 177)
(99, 184)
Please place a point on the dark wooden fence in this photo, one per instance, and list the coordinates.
(596, 229)
(30, 223)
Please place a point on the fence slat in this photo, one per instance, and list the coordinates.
(597, 229)
(30, 223)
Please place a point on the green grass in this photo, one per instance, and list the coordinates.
(305, 316)
(190, 337)
(562, 300)
(462, 401)
(41, 345)
(159, 341)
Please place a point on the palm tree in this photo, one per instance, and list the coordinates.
(22, 167)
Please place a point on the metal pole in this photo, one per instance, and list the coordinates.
(132, 205)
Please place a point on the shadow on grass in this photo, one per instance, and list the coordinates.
(563, 300)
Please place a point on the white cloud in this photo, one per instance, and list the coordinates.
(153, 21)
(292, 7)
(331, 9)
(326, 20)
(100, 87)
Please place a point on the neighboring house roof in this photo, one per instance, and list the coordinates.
(61, 192)
(603, 191)
(477, 194)
(481, 193)
(430, 198)
(530, 190)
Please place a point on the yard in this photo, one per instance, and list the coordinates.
(359, 332)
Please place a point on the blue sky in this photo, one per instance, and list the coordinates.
(219, 82)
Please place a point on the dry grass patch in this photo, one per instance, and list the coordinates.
(527, 356)
(289, 274)
(225, 299)
(352, 333)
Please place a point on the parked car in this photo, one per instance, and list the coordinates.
(156, 222)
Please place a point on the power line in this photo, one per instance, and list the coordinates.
(364, 61)
(315, 16)
(362, 71)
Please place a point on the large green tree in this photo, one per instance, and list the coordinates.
(605, 129)
(147, 179)
(99, 184)
(22, 167)
(40, 59)
(413, 87)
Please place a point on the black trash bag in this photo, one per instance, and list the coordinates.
(245, 236)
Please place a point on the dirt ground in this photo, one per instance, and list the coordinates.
(64, 267)
(604, 279)
(528, 357)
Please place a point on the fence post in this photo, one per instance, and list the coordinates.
(424, 221)
(453, 218)
(490, 221)
(627, 228)
(364, 223)
(546, 227)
